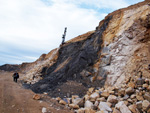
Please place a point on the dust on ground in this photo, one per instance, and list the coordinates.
(15, 99)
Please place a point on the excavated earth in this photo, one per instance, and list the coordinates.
(117, 50)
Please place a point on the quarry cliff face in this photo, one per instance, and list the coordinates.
(118, 49)
(127, 41)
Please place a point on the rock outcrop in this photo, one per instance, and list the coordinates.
(115, 52)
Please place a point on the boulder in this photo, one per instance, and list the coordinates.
(94, 95)
(130, 101)
(139, 105)
(91, 90)
(112, 99)
(74, 97)
(44, 110)
(67, 100)
(102, 111)
(145, 105)
(147, 96)
(140, 82)
(58, 99)
(101, 99)
(88, 104)
(87, 110)
(105, 94)
(81, 110)
(78, 101)
(104, 106)
(140, 98)
(126, 97)
(133, 108)
(131, 84)
(122, 107)
(116, 111)
(129, 91)
(74, 106)
(145, 86)
(62, 102)
(86, 97)
(121, 92)
(133, 96)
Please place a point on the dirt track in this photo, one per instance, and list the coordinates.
(15, 99)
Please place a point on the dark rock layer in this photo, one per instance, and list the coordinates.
(74, 58)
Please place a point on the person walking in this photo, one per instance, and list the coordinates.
(15, 76)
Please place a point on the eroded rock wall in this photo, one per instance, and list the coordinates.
(126, 44)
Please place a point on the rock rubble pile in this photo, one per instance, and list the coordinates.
(133, 96)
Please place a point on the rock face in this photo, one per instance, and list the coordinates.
(73, 58)
(112, 54)
(117, 49)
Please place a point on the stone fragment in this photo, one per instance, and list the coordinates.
(147, 96)
(131, 84)
(111, 92)
(74, 97)
(67, 100)
(147, 81)
(101, 99)
(105, 94)
(145, 105)
(81, 110)
(130, 101)
(139, 105)
(78, 101)
(116, 111)
(104, 106)
(74, 106)
(91, 90)
(126, 103)
(88, 104)
(121, 92)
(85, 73)
(86, 97)
(36, 97)
(145, 86)
(92, 79)
(140, 82)
(122, 107)
(109, 104)
(94, 95)
(140, 98)
(44, 110)
(87, 110)
(126, 97)
(112, 99)
(58, 99)
(106, 60)
(45, 93)
(133, 108)
(133, 96)
(62, 102)
(129, 91)
(102, 111)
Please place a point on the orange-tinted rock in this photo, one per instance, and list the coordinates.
(36, 97)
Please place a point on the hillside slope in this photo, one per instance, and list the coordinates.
(118, 49)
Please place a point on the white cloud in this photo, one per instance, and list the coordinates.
(37, 25)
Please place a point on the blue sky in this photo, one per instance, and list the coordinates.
(29, 28)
